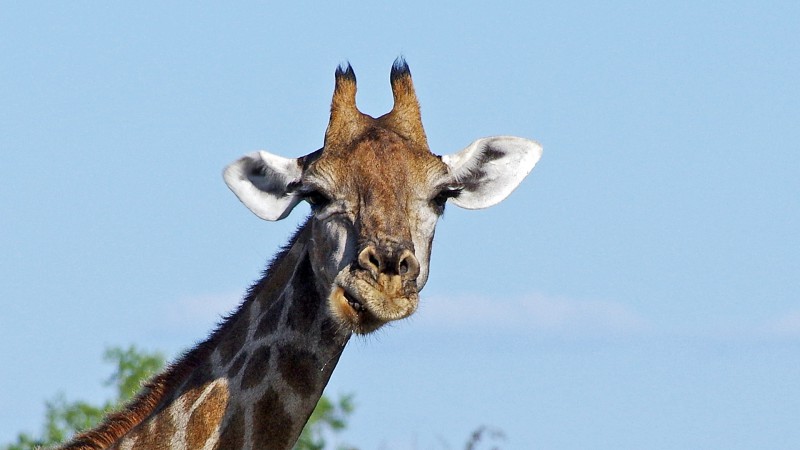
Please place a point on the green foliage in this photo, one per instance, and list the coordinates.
(134, 366)
(328, 417)
(63, 418)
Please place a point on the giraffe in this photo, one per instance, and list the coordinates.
(358, 262)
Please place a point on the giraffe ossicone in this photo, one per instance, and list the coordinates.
(358, 262)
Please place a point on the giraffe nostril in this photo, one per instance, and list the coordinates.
(369, 260)
(408, 265)
(373, 260)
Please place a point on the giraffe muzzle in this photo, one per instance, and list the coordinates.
(364, 304)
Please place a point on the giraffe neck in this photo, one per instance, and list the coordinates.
(253, 383)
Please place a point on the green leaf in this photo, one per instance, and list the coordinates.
(328, 418)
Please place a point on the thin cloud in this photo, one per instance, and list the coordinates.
(784, 326)
(202, 310)
(533, 313)
(536, 314)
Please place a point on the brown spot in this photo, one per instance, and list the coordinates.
(190, 396)
(207, 416)
(329, 331)
(305, 302)
(232, 436)
(256, 368)
(237, 365)
(269, 321)
(156, 431)
(302, 314)
(200, 376)
(272, 424)
(297, 367)
(234, 338)
(268, 291)
(164, 426)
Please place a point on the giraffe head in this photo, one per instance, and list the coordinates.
(376, 192)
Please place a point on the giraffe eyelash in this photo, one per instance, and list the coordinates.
(439, 200)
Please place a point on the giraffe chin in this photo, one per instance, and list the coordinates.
(363, 309)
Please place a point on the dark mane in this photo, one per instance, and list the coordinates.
(154, 393)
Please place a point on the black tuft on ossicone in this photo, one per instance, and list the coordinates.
(345, 71)
(399, 69)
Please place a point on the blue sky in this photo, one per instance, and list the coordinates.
(639, 290)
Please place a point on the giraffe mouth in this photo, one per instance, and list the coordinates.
(351, 311)
(353, 302)
(363, 308)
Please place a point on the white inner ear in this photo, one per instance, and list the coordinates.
(260, 180)
(491, 168)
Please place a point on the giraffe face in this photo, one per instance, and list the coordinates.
(376, 192)
(375, 209)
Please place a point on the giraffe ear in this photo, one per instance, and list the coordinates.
(490, 168)
(262, 181)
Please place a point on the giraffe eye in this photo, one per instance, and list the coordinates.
(316, 199)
